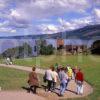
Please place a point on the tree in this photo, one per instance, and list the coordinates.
(46, 50)
(19, 52)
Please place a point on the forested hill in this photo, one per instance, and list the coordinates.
(87, 32)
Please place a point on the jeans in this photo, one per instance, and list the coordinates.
(79, 87)
(62, 87)
(49, 85)
(53, 85)
(67, 83)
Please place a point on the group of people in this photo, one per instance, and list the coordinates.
(60, 75)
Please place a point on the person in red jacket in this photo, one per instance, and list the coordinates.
(79, 81)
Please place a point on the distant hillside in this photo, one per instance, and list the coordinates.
(86, 32)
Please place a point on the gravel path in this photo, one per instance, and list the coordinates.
(42, 95)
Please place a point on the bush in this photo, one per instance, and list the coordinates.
(46, 50)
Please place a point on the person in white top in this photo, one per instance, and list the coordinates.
(55, 78)
(48, 75)
(8, 61)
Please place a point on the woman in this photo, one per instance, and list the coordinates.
(33, 81)
(55, 78)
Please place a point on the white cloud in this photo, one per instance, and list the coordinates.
(83, 21)
(17, 16)
(97, 2)
(7, 30)
(13, 31)
(3, 4)
(4, 27)
(64, 25)
(97, 13)
(48, 28)
(74, 23)
(5, 23)
(25, 11)
(46, 8)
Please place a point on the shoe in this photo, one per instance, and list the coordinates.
(49, 91)
(60, 95)
(28, 91)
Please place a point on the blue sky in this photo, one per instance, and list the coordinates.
(23, 17)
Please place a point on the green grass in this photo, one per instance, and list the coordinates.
(89, 64)
(11, 79)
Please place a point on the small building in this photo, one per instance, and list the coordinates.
(60, 43)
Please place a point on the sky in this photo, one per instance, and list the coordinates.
(24, 17)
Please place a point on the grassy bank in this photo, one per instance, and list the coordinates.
(11, 79)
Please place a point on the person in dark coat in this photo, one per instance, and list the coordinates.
(33, 81)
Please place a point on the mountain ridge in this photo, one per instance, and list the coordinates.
(86, 32)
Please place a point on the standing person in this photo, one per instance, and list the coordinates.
(63, 81)
(75, 70)
(68, 80)
(33, 81)
(55, 78)
(70, 72)
(48, 76)
(79, 81)
(8, 61)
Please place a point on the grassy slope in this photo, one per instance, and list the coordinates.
(11, 79)
(89, 64)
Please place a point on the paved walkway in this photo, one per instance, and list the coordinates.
(42, 95)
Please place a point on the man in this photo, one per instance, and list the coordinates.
(79, 81)
(55, 78)
(48, 76)
(63, 81)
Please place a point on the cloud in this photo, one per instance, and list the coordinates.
(47, 28)
(3, 4)
(5, 23)
(7, 30)
(17, 16)
(64, 25)
(75, 23)
(97, 15)
(97, 2)
(29, 9)
(38, 16)
(4, 27)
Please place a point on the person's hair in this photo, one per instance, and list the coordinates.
(62, 68)
(65, 69)
(79, 69)
(53, 69)
(34, 68)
